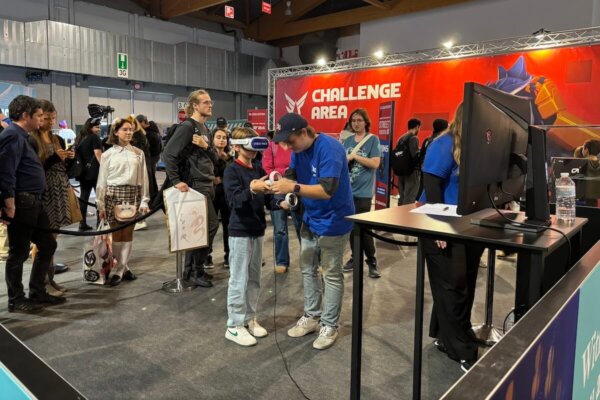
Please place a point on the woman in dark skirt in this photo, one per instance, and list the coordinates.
(51, 150)
(123, 178)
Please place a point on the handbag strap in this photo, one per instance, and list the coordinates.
(360, 144)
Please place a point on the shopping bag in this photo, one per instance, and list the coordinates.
(98, 259)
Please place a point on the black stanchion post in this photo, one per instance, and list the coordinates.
(178, 284)
(486, 333)
(357, 314)
(418, 340)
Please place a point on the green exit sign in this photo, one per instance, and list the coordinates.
(122, 65)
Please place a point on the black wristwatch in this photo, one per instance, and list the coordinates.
(296, 188)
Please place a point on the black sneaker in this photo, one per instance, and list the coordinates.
(209, 263)
(60, 268)
(47, 299)
(465, 365)
(373, 272)
(226, 263)
(208, 276)
(349, 266)
(129, 276)
(115, 280)
(440, 346)
(84, 227)
(25, 306)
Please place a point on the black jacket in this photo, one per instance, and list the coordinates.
(186, 162)
(247, 217)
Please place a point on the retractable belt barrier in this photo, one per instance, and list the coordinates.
(391, 241)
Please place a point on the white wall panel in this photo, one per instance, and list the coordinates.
(156, 106)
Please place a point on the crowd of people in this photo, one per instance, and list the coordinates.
(334, 178)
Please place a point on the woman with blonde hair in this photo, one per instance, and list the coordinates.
(50, 149)
(452, 267)
(123, 179)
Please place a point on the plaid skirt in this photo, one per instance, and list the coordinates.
(118, 195)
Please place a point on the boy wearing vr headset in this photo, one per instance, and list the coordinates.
(246, 191)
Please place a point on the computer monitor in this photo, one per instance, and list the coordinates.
(498, 147)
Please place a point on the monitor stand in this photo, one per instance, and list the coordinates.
(496, 221)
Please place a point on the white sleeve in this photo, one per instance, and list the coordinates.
(145, 190)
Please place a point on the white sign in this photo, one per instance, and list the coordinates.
(122, 65)
(187, 219)
(181, 105)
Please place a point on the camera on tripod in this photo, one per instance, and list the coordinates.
(98, 111)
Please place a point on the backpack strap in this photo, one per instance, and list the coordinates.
(357, 148)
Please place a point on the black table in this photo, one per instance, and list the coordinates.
(536, 273)
(23, 374)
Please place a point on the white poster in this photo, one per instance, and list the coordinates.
(187, 219)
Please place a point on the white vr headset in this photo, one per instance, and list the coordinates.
(252, 144)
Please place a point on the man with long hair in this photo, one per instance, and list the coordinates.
(190, 163)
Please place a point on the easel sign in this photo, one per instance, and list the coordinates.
(187, 219)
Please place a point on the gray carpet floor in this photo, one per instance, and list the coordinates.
(135, 341)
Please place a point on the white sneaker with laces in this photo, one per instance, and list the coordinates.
(326, 339)
(240, 335)
(304, 326)
(256, 330)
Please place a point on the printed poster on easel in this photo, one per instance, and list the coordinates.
(187, 219)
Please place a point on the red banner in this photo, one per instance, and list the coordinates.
(258, 119)
(559, 82)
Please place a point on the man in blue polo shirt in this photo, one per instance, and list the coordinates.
(318, 173)
(22, 182)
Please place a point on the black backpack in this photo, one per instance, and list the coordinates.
(170, 132)
(401, 160)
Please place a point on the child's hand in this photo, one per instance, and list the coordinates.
(259, 185)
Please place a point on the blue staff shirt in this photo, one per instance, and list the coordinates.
(439, 161)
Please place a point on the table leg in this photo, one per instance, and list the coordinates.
(418, 340)
(486, 333)
(528, 287)
(357, 314)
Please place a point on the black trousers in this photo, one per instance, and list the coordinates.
(194, 259)
(221, 208)
(29, 211)
(362, 205)
(453, 276)
(84, 195)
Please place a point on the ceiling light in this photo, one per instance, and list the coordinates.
(540, 33)
(321, 61)
(288, 9)
(378, 54)
(448, 44)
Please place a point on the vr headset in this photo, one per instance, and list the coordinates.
(252, 144)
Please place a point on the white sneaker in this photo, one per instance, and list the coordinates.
(256, 330)
(140, 226)
(304, 326)
(326, 339)
(240, 335)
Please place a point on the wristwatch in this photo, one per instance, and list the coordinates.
(296, 188)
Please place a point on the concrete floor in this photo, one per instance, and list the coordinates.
(135, 341)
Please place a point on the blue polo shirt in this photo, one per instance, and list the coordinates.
(326, 158)
(439, 161)
(20, 166)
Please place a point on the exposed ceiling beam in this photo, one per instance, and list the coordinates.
(272, 29)
(299, 9)
(219, 19)
(174, 8)
(379, 4)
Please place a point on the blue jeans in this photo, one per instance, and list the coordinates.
(317, 302)
(245, 262)
(280, 232)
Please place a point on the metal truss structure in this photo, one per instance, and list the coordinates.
(546, 40)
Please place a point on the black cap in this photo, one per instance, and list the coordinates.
(288, 124)
(221, 122)
(142, 118)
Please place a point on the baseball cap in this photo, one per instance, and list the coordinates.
(221, 122)
(288, 124)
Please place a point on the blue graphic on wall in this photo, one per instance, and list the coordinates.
(8, 91)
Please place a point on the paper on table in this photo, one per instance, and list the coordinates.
(447, 210)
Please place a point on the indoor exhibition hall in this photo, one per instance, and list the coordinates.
(299, 199)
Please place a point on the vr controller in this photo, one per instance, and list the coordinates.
(252, 144)
(290, 199)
